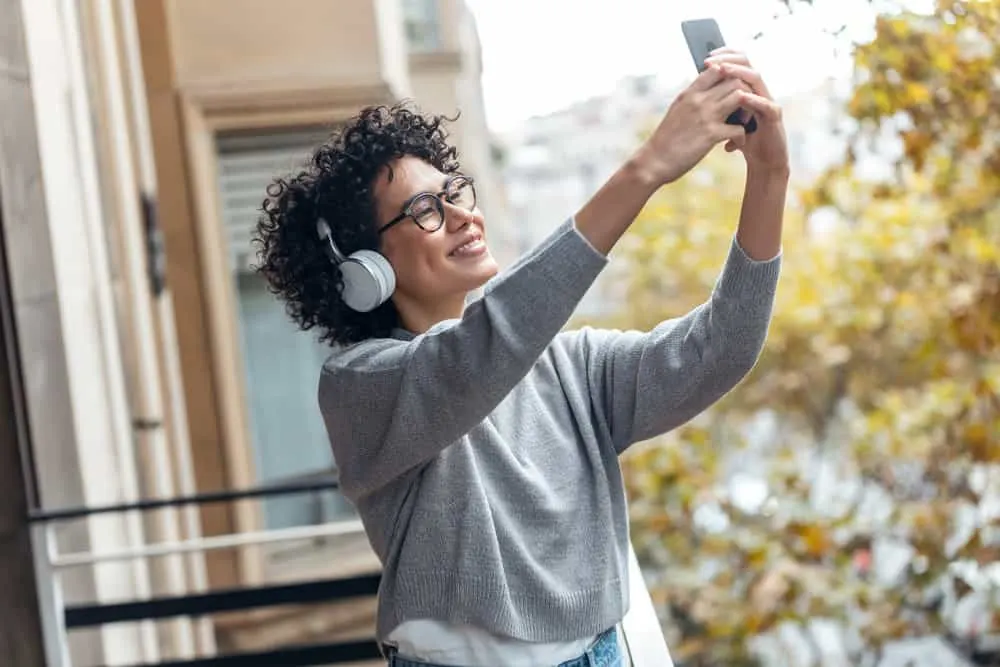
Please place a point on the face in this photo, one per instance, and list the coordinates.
(434, 269)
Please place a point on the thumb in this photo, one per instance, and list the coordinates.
(737, 138)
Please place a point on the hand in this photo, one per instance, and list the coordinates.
(693, 125)
(766, 148)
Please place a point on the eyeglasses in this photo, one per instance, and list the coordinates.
(427, 208)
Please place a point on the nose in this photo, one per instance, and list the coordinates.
(456, 218)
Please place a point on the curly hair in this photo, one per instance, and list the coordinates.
(336, 184)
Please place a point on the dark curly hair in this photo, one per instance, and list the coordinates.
(336, 184)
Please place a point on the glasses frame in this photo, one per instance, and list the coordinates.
(439, 198)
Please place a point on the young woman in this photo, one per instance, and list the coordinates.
(478, 441)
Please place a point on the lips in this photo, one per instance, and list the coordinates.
(471, 245)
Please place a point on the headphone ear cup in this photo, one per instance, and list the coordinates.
(382, 270)
(369, 280)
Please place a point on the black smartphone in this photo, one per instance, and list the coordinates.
(704, 36)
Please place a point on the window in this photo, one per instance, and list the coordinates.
(423, 28)
(282, 364)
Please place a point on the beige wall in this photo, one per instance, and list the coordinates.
(263, 45)
(223, 65)
(184, 277)
(23, 229)
(241, 65)
(69, 330)
(448, 81)
(207, 67)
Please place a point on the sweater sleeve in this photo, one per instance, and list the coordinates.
(645, 384)
(391, 405)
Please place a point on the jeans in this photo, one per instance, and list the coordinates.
(604, 652)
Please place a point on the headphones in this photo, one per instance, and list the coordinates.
(368, 278)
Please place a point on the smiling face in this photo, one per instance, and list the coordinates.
(435, 268)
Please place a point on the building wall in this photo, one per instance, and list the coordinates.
(218, 68)
(21, 640)
(557, 161)
(135, 102)
(446, 79)
(143, 305)
(239, 93)
(231, 44)
(64, 309)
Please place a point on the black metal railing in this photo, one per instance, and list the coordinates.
(325, 482)
(84, 616)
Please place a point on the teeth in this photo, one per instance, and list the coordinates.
(465, 246)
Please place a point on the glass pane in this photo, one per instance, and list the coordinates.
(422, 24)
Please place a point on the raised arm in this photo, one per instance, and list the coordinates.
(645, 384)
(392, 405)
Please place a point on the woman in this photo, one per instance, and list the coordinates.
(479, 443)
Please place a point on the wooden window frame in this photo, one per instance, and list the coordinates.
(205, 114)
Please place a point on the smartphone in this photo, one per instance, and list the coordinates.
(704, 36)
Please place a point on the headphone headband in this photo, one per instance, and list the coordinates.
(326, 234)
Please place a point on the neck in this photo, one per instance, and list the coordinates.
(418, 317)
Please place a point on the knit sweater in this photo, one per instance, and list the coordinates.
(482, 455)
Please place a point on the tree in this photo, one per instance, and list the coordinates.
(880, 379)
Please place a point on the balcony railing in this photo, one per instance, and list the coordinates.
(642, 637)
(59, 619)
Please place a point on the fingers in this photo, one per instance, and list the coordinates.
(725, 88)
(760, 106)
(707, 79)
(726, 50)
(729, 84)
(748, 75)
(753, 97)
(732, 101)
(734, 136)
(727, 55)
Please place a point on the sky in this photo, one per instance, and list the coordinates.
(542, 55)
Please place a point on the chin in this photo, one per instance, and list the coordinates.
(471, 271)
(483, 272)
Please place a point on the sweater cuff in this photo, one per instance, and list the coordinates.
(590, 245)
(750, 259)
(746, 278)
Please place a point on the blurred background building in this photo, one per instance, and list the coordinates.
(552, 163)
(144, 359)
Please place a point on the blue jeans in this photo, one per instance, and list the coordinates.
(604, 652)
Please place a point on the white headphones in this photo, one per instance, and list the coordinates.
(368, 278)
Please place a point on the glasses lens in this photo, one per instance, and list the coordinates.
(462, 193)
(426, 212)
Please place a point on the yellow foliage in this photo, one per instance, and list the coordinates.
(884, 352)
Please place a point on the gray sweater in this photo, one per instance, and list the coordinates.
(483, 455)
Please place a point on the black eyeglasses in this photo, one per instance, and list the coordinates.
(427, 208)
